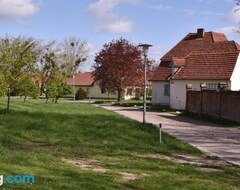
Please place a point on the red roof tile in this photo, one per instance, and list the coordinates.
(211, 42)
(81, 79)
(218, 65)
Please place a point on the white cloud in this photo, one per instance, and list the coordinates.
(116, 27)
(17, 8)
(190, 13)
(227, 30)
(156, 52)
(105, 20)
(234, 16)
(160, 7)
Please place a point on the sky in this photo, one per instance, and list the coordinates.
(160, 23)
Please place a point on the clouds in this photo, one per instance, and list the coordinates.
(160, 7)
(227, 30)
(15, 9)
(234, 18)
(105, 20)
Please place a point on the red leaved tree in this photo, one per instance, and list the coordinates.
(118, 66)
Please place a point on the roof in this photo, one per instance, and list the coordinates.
(81, 79)
(194, 43)
(208, 66)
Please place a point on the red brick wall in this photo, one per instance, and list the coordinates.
(224, 104)
(231, 106)
(210, 103)
(194, 103)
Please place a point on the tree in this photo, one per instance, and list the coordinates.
(73, 52)
(48, 66)
(57, 89)
(17, 57)
(28, 88)
(117, 66)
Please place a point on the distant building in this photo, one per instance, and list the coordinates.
(86, 82)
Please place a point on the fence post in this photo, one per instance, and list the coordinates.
(160, 133)
(203, 87)
(188, 89)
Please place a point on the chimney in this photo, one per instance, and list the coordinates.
(200, 32)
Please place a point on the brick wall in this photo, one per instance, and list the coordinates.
(224, 104)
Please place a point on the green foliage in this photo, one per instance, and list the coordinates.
(3, 85)
(57, 89)
(28, 88)
(81, 94)
(18, 57)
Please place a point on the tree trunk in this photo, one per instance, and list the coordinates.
(8, 100)
(56, 100)
(25, 97)
(119, 93)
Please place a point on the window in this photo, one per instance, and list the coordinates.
(212, 86)
(166, 90)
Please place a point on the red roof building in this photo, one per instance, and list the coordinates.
(81, 79)
(201, 57)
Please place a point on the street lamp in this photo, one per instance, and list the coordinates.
(74, 88)
(145, 48)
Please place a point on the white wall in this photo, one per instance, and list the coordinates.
(235, 79)
(95, 92)
(158, 93)
(178, 91)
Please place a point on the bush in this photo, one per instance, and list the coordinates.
(81, 94)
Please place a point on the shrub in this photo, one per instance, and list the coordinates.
(81, 94)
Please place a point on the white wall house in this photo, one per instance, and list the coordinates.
(86, 82)
(202, 57)
(160, 92)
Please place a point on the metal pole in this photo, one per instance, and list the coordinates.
(160, 133)
(74, 98)
(145, 93)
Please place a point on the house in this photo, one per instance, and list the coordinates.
(86, 82)
(201, 57)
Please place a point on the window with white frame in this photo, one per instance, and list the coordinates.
(212, 86)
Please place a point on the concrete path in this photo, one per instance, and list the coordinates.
(215, 140)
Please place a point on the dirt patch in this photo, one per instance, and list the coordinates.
(87, 164)
(209, 170)
(130, 176)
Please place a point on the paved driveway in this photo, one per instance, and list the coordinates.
(210, 138)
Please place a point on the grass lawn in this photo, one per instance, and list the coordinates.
(76, 146)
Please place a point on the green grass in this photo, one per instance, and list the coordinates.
(35, 137)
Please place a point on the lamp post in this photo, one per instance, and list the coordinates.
(145, 48)
(74, 88)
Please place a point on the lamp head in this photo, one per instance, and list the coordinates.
(145, 48)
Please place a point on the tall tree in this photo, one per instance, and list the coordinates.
(74, 53)
(48, 65)
(17, 57)
(117, 66)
